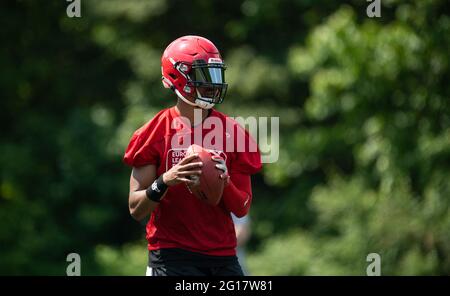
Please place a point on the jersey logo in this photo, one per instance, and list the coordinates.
(175, 155)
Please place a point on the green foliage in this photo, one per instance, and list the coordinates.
(376, 101)
(127, 260)
(364, 128)
(354, 222)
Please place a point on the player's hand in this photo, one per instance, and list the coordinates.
(182, 171)
(221, 165)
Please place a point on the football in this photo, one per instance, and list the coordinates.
(209, 187)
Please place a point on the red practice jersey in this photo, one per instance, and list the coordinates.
(181, 220)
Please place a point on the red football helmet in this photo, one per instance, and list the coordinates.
(192, 67)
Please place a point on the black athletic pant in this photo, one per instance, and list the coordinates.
(229, 270)
(178, 262)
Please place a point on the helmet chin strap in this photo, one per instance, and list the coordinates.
(198, 103)
(203, 104)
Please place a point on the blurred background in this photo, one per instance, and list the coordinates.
(364, 107)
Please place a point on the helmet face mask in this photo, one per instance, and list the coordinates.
(195, 72)
(207, 79)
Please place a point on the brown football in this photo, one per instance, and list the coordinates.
(209, 187)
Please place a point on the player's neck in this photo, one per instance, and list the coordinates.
(187, 111)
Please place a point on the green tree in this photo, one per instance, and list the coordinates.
(377, 129)
(364, 113)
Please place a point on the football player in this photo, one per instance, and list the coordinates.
(185, 235)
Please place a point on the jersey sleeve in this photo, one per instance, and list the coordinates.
(143, 147)
(248, 161)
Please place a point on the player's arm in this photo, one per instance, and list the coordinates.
(138, 202)
(237, 194)
(146, 190)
